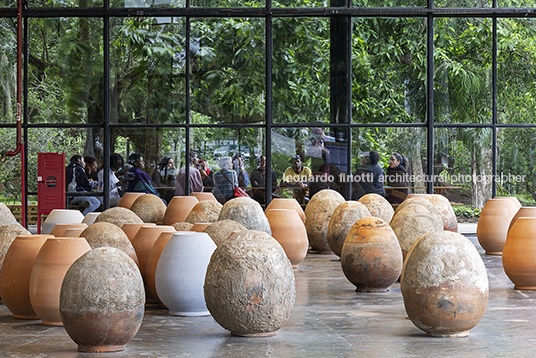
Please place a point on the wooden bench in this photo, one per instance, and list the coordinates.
(16, 210)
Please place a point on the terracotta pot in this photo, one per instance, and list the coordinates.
(51, 264)
(90, 218)
(250, 287)
(493, 224)
(74, 232)
(288, 229)
(519, 254)
(199, 227)
(152, 262)
(341, 221)
(513, 198)
(128, 199)
(247, 212)
(143, 243)
(180, 273)
(131, 229)
(378, 206)
(523, 212)
(178, 209)
(204, 196)
(59, 229)
(57, 216)
(371, 257)
(95, 308)
(15, 274)
(279, 203)
(441, 298)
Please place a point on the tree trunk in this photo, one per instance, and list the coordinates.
(480, 172)
(416, 169)
(8, 84)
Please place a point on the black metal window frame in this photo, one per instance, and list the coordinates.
(268, 13)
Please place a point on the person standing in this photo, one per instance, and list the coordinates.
(225, 181)
(196, 182)
(258, 180)
(116, 162)
(397, 176)
(370, 174)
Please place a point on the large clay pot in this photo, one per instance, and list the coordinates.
(280, 203)
(199, 227)
(444, 284)
(513, 198)
(249, 286)
(413, 219)
(317, 215)
(180, 273)
(288, 229)
(107, 234)
(75, 232)
(371, 258)
(51, 264)
(206, 211)
(57, 216)
(178, 209)
(102, 300)
(15, 274)
(247, 212)
(204, 196)
(150, 208)
(342, 220)
(220, 230)
(8, 233)
(152, 262)
(182, 226)
(378, 206)
(493, 224)
(450, 223)
(59, 229)
(90, 218)
(144, 240)
(118, 216)
(519, 254)
(523, 212)
(128, 199)
(6, 216)
(131, 229)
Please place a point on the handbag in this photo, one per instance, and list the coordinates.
(237, 191)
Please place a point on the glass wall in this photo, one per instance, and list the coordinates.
(325, 82)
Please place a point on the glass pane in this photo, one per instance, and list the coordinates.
(383, 3)
(65, 3)
(228, 3)
(463, 72)
(306, 3)
(409, 171)
(462, 158)
(515, 89)
(322, 153)
(65, 70)
(463, 3)
(8, 3)
(8, 71)
(227, 70)
(147, 69)
(300, 70)
(516, 164)
(515, 3)
(148, 3)
(389, 70)
(10, 177)
(218, 148)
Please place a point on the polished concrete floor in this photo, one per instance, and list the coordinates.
(329, 319)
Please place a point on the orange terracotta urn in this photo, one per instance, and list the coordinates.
(371, 258)
(131, 229)
(513, 198)
(523, 212)
(144, 240)
(204, 196)
(51, 264)
(178, 209)
(128, 199)
(493, 224)
(519, 254)
(59, 229)
(288, 229)
(280, 203)
(15, 274)
(74, 232)
(152, 262)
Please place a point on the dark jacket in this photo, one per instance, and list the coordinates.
(82, 182)
(371, 179)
